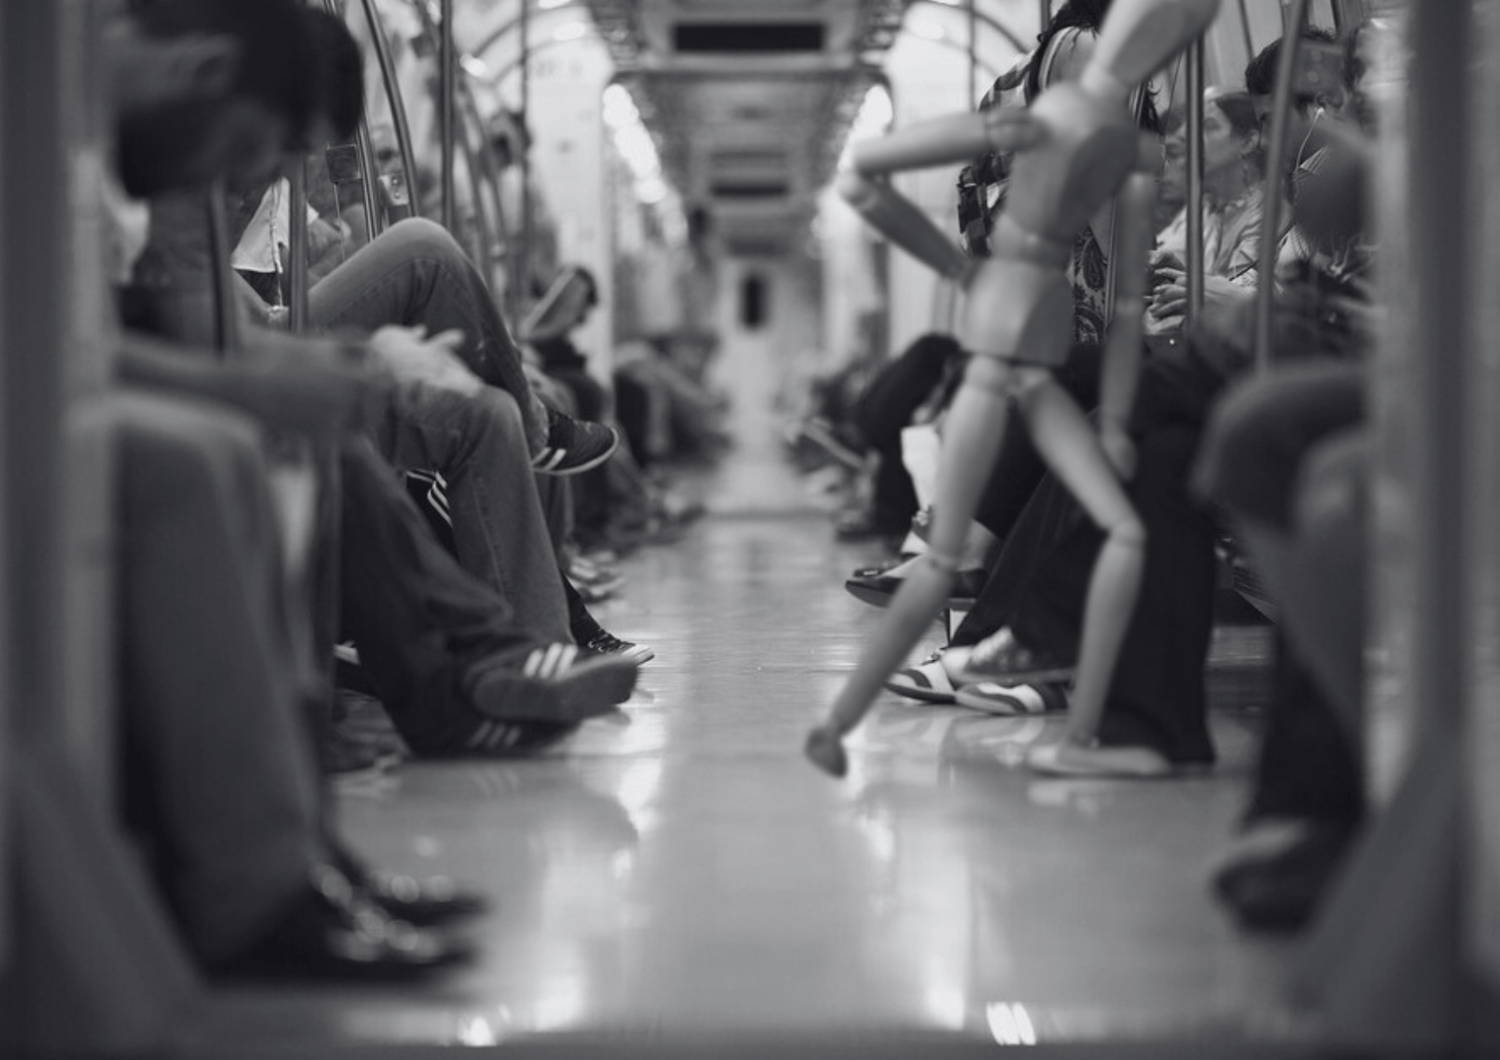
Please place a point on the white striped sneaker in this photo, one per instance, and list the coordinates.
(1012, 700)
(927, 681)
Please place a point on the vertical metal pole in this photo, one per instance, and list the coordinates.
(1441, 238)
(447, 78)
(398, 108)
(973, 53)
(296, 250)
(1274, 195)
(1245, 28)
(1194, 263)
(521, 279)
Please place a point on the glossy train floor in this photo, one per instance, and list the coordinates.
(680, 869)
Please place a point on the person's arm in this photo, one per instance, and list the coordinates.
(318, 397)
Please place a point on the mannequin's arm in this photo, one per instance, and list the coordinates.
(940, 141)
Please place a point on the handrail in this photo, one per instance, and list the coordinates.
(1281, 107)
(447, 56)
(398, 107)
(1194, 264)
(296, 250)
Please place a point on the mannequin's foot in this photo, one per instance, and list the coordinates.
(1075, 760)
(826, 751)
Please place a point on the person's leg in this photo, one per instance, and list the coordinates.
(499, 529)
(442, 649)
(415, 273)
(208, 701)
(1300, 519)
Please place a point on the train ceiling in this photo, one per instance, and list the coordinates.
(749, 100)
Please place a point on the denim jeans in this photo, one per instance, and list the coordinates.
(414, 273)
(499, 530)
(419, 620)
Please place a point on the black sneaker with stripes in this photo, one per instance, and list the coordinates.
(519, 705)
(574, 445)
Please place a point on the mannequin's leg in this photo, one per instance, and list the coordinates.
(971, 439)
(1070, 447)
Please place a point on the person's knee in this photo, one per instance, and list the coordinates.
(422, 238)
(185, 450)
(495, 414)
(1331, 497)
(1239, 433)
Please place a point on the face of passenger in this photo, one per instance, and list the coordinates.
(1222, 146)
(178, 122)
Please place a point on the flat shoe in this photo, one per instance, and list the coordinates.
(880, 589)
(926, 682)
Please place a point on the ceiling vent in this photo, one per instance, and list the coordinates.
(747, 38)
(749, 189)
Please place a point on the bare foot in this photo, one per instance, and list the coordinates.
(826, 751)
(1075, 760)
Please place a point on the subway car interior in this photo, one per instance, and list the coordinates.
(798, 528)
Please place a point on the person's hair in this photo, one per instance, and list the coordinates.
(1260, 72)
(1087, 15)
(1239, 110)
(340, 71)
(276, 63)
(593, 285)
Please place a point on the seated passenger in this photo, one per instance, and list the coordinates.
(440, 419)
(1024, 628)
(1286, 459)
(219, 766)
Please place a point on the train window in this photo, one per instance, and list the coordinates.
(754, 294)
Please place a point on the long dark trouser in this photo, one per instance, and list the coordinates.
(419, 619)
(1265, 439)
(1040, 580)
(212, 710)
(885, 408)
(415, 273)
(500, 530)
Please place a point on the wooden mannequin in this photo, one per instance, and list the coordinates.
(1077, 148)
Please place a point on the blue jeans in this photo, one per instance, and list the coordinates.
(499, 530)
(414, 273)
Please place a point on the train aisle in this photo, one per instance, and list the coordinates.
(680, 870)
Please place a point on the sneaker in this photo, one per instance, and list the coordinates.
(556, 683)
(1013, 700)
(1002, 659)
(583, 572)
(927, 681)
(606, 643)
(574, 445)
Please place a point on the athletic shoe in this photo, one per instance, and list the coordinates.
(606, 643)
(1013, 700)
(881, 589)
(555, 683)
(574, 445)
(1002, 659)
(927, 681)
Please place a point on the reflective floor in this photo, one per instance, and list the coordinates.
(679, 869)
